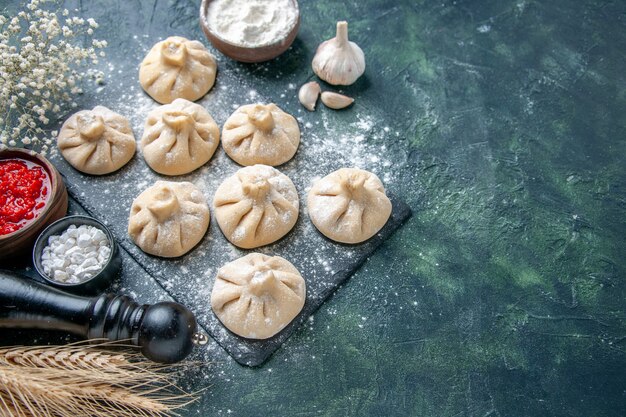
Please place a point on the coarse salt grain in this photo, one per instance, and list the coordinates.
(76, 255)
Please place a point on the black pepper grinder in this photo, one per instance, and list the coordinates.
(165, 332)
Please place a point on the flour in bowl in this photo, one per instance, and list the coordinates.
(252, 23)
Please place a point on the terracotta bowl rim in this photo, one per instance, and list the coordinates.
(33, 156)
(276, 47)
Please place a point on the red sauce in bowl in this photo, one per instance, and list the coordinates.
(24, 191)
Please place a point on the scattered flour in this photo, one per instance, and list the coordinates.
(330, 140)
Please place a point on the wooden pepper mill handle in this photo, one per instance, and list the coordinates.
(165, 332)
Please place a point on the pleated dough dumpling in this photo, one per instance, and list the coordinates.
(257, 296)
(177, 68)
(349, 205)
(97, 141)
(169, 218)
(260, 134)
(256, 206)
(179, 137)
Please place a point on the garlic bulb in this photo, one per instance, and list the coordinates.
(339, 61)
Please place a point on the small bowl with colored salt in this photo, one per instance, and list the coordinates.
(250, 30)
(78, 254)
(32, 195)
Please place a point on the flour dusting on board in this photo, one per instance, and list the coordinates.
(330, 140)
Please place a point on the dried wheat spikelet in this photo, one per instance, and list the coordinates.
(85, 380)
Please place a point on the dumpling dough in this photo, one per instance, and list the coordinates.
(256, 206)
(349, 205)
(261, 134)
(177, 68)
(97, 141)
(169, 218)
(256, 296)
(179, 137)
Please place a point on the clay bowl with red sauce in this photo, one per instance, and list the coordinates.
(21, 240)
(243, 53)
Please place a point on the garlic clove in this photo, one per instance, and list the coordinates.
(308, 95)
(336, 101)
(339, 61)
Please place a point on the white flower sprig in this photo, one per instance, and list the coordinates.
(41, 58)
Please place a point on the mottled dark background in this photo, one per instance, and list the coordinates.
(504, 295)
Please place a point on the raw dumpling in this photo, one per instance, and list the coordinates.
(179, 137)
(256, 296)
(256, 206)
(177, 68)
(349, 205)
(261, 134)
(97, 141)
(169, 218)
